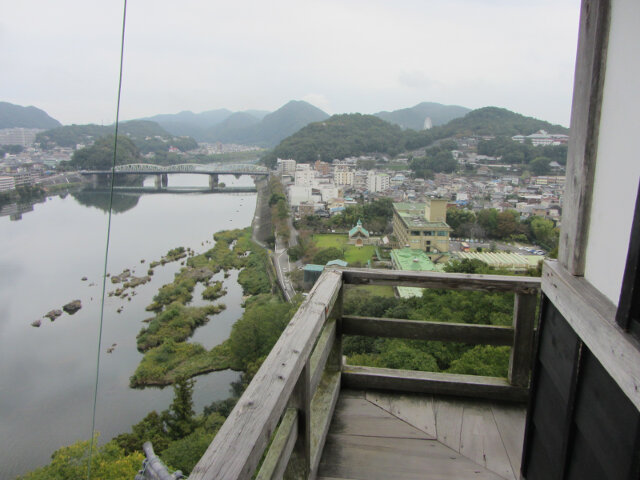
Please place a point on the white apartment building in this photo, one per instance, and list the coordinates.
(377, 182)
(304, 175)
(18, 136)
(343, 177)
(286, 166)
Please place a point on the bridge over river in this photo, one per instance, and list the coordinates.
(162, 172)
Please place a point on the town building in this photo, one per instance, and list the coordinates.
(18, 136)
(286, 166)
(7, 183)
(359, 235)
(377, 182)
(422, 227)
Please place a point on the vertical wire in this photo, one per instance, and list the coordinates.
(106, 250)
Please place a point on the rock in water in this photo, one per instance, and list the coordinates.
(36, 323)
(72, 307)
(53, 314)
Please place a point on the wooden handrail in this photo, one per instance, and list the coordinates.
(292, 397)
(238, 447)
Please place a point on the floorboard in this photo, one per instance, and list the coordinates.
(376, 435)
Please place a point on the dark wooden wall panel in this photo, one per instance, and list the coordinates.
(580, 424)
(607, 421)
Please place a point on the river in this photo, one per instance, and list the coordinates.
(47, 374)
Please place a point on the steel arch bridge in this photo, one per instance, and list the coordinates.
(214, 169)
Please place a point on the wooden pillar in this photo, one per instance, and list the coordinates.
(524, 316)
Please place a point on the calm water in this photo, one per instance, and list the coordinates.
(47, 374)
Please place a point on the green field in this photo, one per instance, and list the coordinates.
(352, 254)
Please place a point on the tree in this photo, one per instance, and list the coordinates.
(108, 462)
(507, 224)
(540, 165)
(458, 219)
(326, 255)
(179, 419)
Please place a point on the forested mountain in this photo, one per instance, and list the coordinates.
(355, 134)
(496, 121)
(12, 116)
(415, 116)
(274, 127)
(338, 137)
(250, 127)
(189, 123)
(99, 156)
(148, 136)
(232, 129)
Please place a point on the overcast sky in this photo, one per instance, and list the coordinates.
(340, 55)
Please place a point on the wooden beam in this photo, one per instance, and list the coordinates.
(524, 318)
(453, 281)
(321, 353)
(277, 458)
(322, 408)
(365, 378)
(422, 330)
(592, 316)
(583, 140)
(236, 450)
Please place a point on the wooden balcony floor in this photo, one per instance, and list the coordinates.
(379, 435)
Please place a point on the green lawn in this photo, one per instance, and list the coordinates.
(328, 241)
(352, 253)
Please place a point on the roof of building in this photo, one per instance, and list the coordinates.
(310, 267)
(410, 259)
(338, 262)
(359, 228)
(413, 215)
(506, 260)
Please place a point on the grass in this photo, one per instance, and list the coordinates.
(352, 254)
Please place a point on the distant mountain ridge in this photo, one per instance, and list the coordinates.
(250, 127)
(414, 117)
(17, 116)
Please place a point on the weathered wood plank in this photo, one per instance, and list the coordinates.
(419, 330)
(431, 382)
(375, 458)
(322, 408)
(236, 450)
(454, 281)
(321, 353)
(524, 317)
(448, 413)
(510, 420)
(592, 316)
(416, 410)
(277, 457)
(358, 416)
(481, 442)
(583, 141)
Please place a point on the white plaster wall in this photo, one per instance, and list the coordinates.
(618, 162)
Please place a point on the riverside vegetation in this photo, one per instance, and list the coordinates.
(179, 436)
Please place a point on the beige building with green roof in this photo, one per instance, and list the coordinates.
(422, 227)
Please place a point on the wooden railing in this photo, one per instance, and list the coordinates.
(289, 404)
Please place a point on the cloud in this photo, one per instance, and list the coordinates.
(417, 79)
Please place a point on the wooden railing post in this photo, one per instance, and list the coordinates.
(334, 361)
(301, 400)
(524, 316)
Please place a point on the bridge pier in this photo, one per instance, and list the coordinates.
(213, 181)
(95, 179)
(162, 180)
